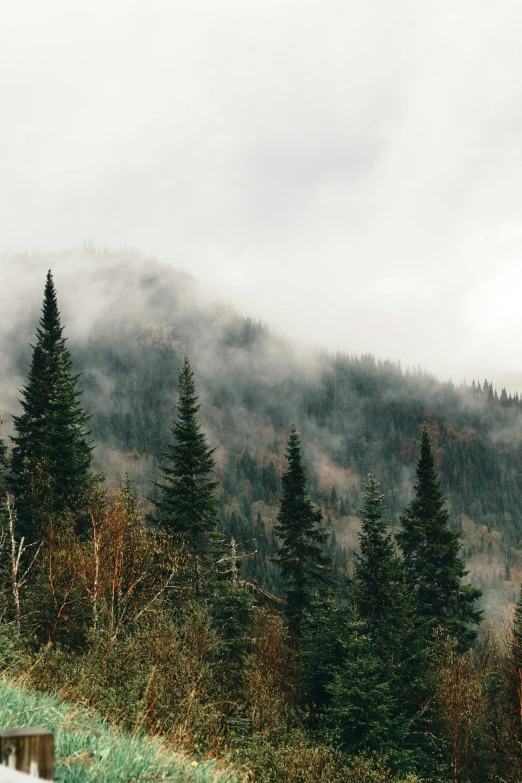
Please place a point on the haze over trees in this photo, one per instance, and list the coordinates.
(294, 656)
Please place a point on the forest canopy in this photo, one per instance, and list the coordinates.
(309, 539)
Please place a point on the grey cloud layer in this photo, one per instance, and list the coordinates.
(350, 172)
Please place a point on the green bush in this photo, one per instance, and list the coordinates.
(160, 677)
(13, 650)
(295, 758)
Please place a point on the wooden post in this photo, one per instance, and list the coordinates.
(29, 750)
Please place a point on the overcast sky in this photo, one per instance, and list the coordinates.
(351, 172)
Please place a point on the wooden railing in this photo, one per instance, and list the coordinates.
(29, 750)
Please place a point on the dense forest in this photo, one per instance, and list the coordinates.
(283, 558)
(131, 320)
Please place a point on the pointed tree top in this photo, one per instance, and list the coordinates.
(294, 437)
(293, 453)
(50, 327)
(426, 464)
(186, 377)
(372, 485)
(128, 495)
(127, 484)
(188, 400)
(373, 511)
(49, 291)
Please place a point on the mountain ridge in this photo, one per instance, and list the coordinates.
(131, 320)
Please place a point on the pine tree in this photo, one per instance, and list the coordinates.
(334, 498)
(187, 505)
(302, 558)
(379, 589)
(232, 613)
(4, 572)
(505, 701)
(321, 652)
(431, 559)
(362, 713)
(377, 571)
(51, 458)
(3, 467)
(384, 603)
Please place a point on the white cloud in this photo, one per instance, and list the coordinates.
(348, 171)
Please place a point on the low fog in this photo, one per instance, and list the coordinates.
(106, 298)
(346, 172)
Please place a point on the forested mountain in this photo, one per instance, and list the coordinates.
(131, 321)
(195, 540)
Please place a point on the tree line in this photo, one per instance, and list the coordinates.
(152, 619)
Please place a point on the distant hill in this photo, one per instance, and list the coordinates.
(130, 321)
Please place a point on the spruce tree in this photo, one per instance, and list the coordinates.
(377, 571)
(362, 713)
(4, 574)
(505, 702)
(232, 613)
(187, 505)
(379, 589)
(3, 467)
(321, 652)
(51, 458)
(430, 549)
(302, 557)
(385, 604)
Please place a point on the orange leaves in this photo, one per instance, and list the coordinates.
(125, 566)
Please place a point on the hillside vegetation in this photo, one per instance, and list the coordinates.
(256, 553)
(87, 749)
(130, 321)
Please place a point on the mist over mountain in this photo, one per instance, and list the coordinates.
(130, 321)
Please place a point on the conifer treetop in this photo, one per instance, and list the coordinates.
(187, 505)
(50, 330)
(431, 559)
(428, 482)
(51, 458)
(377, 569)
(304, 562)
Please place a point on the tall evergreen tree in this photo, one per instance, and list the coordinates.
(302, 558)
(232, 613)
(187, 505)
(377, 571)
(431, 558)
(3, 499)
(505, 702)
(321, 651)
(3, 467)
(362, 713)
(386, 605)
(379, 589)
(51, 458)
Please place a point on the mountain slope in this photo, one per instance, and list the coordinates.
(131, 321)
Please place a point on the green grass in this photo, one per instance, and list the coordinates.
(88, 749)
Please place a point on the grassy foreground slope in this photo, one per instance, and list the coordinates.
(88, 749)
